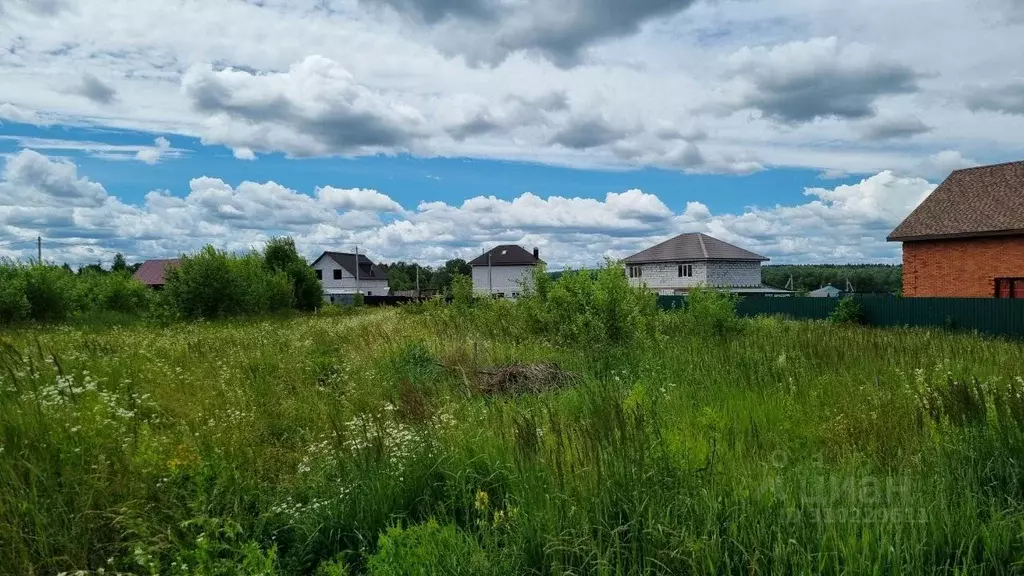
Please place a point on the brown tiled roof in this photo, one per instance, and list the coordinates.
(506, 255)
(151, 273)
(693, 247)
(982, 201)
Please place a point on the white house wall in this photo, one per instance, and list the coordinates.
(507, 280)
(663, 277)
(734, 274)
(347, 283)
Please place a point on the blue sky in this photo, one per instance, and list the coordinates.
(405, 178)
(431, 129)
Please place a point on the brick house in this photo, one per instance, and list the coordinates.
(691, 260)
(966, 240)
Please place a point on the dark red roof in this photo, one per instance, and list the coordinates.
(151, 273)
(982, 201)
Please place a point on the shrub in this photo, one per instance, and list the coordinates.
(259, 288)
(280, 255)
(584, 307)
(212, 284)
(309, 292)
(49, 291)
(14, 305)
(113, 292)
(428, 549)
(712, 311)
(207, 284)
(848, 311)
(334, 567)
(570, 310)
(626, 314)
(462, 291)
(204, 285)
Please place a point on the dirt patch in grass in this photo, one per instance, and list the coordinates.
(524, 378)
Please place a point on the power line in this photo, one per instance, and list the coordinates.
(16, 243)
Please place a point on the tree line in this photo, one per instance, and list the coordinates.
(402, 275)
(209, 283)
(876, 278)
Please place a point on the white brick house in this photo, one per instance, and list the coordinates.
(504, 271)
(691, 260)
(342, 277)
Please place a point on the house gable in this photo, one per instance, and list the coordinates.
(974, 202)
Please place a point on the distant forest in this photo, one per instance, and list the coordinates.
(402, 275)
(863, 277)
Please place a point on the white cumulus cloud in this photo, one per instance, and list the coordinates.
(48, 197)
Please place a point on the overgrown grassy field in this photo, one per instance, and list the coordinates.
(361, 444)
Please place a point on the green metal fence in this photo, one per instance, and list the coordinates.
(989, 316)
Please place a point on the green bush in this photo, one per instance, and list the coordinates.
(204, 285)
(309, 292)
(712, 311)
(848, 311)
(213, 284)
(207, 284)
(462, 291)
(260, 289)
(426, 550)
(50, 293)
(280, 255)
(596, 308)
(113, 292)
(14, 305)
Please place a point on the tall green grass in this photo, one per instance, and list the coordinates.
(692, 443)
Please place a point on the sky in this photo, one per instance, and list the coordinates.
(424, 130)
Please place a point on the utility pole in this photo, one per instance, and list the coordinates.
(490, 281)
(417, 280)
(39, 250)
(357, 269)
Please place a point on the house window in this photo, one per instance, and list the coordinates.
(337, 274)
(686, 270)
(332, 297)
(319, 274)
(635, 272)
(1009, 287)
(369, 293)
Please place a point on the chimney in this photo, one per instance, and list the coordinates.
(536, 253)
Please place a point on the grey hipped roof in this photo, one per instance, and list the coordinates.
(982, 201)
(693, 247)
(367, 269)
(506, 255)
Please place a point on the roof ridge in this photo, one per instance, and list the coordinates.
(703, 248)
(978, 167)
(971, 202)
